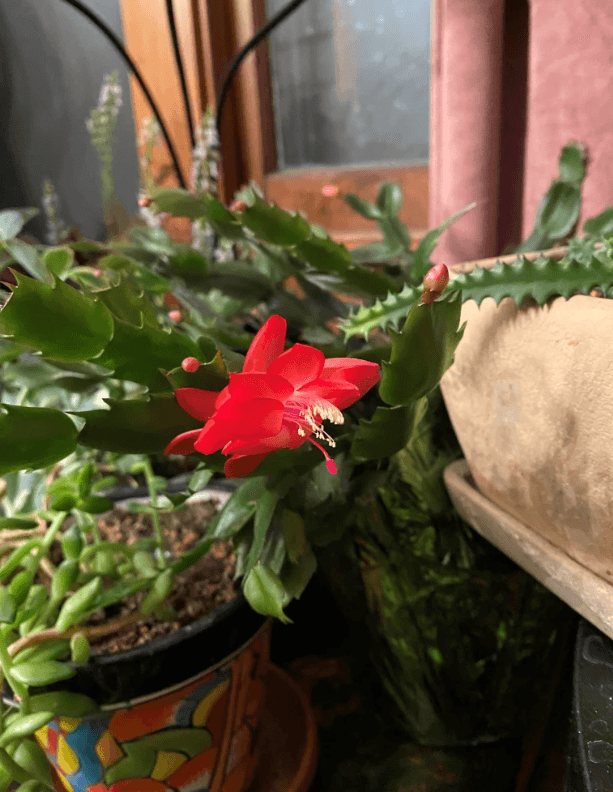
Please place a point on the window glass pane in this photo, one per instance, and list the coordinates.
(351, 82)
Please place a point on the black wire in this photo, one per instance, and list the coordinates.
(179, 63)
(119, 47)
(244, 51)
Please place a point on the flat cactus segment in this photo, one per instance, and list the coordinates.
(578, 272)
(382, 314)
(539, 279)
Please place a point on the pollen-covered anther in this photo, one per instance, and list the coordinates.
(321, 434)
(325, 412)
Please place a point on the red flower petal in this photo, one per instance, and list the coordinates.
(362, 373)
(286, 438)
(238, 466)
(259, 386)
(248, 420)
(222, 397)
(183, 443)
(200, 404)
(341, 394)
(212, 438)
(267, 344)
(299, 365)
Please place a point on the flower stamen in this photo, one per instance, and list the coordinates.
(309, 418)
(330, 464)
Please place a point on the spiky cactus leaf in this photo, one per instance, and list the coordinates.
(576, 273)
(422, 351)
(540, 279)
(382, 314)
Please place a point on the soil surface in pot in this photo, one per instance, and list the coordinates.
(198, 590)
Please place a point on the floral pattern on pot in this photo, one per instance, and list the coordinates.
(199, 737)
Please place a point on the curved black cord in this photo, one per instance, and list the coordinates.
(170, 14)
(119, 47)
(244, 51)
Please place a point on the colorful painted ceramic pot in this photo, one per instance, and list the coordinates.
(195, 733)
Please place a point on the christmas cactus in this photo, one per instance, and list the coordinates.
(289, 363)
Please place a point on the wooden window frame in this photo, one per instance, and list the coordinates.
(210, 33)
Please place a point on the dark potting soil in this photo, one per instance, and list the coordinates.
(198, 590)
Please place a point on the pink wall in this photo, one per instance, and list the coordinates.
(465, 124)
(570, 97)
(496, 140)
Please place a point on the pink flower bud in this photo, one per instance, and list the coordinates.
(329, 190)
(435, 283)
(144, 201)
(175, 316)
(190, 364)
(238, 206)
(97, 273)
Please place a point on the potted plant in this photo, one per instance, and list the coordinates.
(181, 691)
(258, 416)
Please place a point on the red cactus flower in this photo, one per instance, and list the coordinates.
(280, 400)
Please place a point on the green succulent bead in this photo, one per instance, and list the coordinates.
(64, 579)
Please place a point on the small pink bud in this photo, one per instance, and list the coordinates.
(175, 316)
(435, 283)
(190, 364)
(97, 273)
(238, 206)
(329, 190)
(144, 201)
(437, 278)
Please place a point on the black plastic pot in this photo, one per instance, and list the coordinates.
(168, 660)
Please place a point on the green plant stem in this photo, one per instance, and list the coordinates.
(35, 561)
(55, 526)
(1, 701)
(53, 634)
(155, 517)
(117, 547)
(17, 556)
(86, 521)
